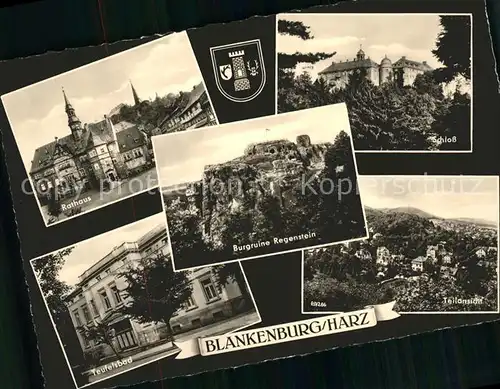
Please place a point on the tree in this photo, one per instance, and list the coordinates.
(54, 206)
(185, 229)
(231, 272)
(454, 123)
(100, 333)
(156, 292)
(47, 270)
(287, 63)
(456, 57)
(388, 117)
(339, 198)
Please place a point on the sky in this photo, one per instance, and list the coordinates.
(448, 197)
(181, 157)
(36, 112)
(394, 35)
(88, 252)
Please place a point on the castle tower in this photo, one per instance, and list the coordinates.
(361, 54)
(73, 122)
(385, 70)
(241, 81)
(137, 100)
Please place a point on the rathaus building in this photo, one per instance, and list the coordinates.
(403, 71)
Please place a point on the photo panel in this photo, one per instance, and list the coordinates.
(84, 136)
(116, 303)
(432, 248)
(260, 187)
(406, 77)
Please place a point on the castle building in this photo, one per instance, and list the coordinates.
(78, 161)
(403, 71)
(196, 113)
(99, 296)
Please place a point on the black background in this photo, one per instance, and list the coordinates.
(275, 281)
(203, 39)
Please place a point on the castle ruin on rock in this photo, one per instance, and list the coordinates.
(272, 168)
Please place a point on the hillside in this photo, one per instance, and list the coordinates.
(477, 222)
(425, 215)
(410, 211)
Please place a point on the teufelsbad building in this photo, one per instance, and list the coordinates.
(99, 296)
(403, 71)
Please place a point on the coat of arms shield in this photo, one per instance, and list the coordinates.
(239, 70)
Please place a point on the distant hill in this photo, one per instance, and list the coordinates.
(407, 210)
(477, 222)
(426, 215)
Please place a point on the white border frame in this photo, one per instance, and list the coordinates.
(324, 14)
(261, 118)
(302, 307)
(70, 368)
(95, 63)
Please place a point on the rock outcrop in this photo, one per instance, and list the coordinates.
(274, 168)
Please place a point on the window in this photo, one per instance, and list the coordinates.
(209, 289)
(105, 299)
(116, 293)
(97, 166)
(86, 342)
(108, 271)
(82, 172)
(190, 303)
(94, 308)
(86, 314)
(78, 321)
(98, 278)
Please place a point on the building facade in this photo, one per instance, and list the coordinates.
(403, 71)
(99, 297)
(90, 154)
(196, 113)
(78, 161)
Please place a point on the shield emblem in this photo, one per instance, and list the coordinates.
(239, 70)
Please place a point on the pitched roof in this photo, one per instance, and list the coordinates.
(408, 63)
(122, 126)
(349, 65)
(94, 134)
(130, 138)
(194, 96)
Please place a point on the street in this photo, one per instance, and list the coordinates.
(168, 349)
(93, 199)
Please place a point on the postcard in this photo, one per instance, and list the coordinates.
(85, 135)
(405, 91)
(255, 190)
(260, 187)
(433, 248)
(117, 304)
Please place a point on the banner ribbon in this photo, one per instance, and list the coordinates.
(287, 332)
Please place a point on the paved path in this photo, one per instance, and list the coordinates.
(168, 349)
(144, 181)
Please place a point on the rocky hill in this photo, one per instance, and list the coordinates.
(272, 168)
